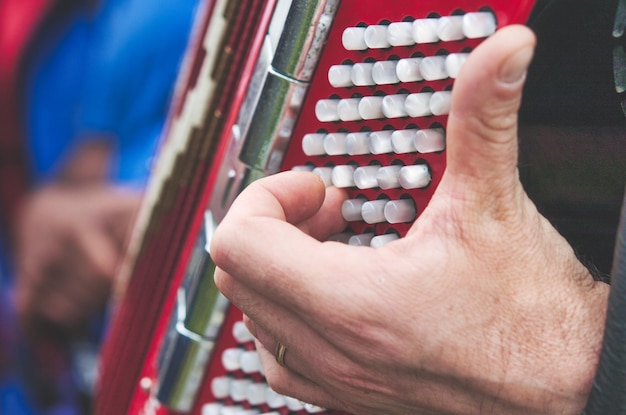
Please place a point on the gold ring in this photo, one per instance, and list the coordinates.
(279, 354)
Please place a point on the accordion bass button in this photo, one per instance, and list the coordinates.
(343, 176)
(220, 387)
(241, 333)
(358, 143)
(371, 108)
(326, 110)
(351, 209)
(403, 141)
(340, 76)
(325, 173)
(353, 38)
(313, 144)
(400, 211)
(348, 109)
(450, 28)
(335, 144)
(374, 211)
(365, 177)
(454, 63)
(250, 362)
(385, 73)
(478, 25)
(388, 176)
(418, 105)
(380, 142)
(273, 399)
(425, 30)
(364, 239)
(381, 240)
(376, 37)
(230, 359)
(414, 177)
(362, 74)
(434, 68)
(430, 140)
(400, 34)
(440, 103)
(408, 70)
(393, 106)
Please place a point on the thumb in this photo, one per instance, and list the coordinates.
(482, 125)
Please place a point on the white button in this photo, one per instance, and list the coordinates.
(230, 359)
(380, 142)
(343, 176)
(250, 362)
(434, 68)
(403, 141)
(293, 404)
(408, 70)
(393, 106)
(313, 144)
(307, 168)
(400, 34)
(371, 108)
(335, 144)
(440, 103)
(400, 211)
(387, 177)
(342, 237)
(454, 63)
(340, 76)
(425, 30)
(414, 177)
(351, 209)
(480, 24)
(348, 109)
(361, 240)
(220, 387)
(241, 333)
(255, 393)
(384, 73)
(325, 173)
(450, 28)
(211, 409)
(312, 409)
(376, 37)
(362, 74)
(418, 105)
(381, 240)
(326, 110)
(358, 143)
(374, 211)
(274, 399)
(430, 140)
(238, 389)
(353, 38)
(365, 177)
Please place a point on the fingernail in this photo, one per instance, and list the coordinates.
(514, 69)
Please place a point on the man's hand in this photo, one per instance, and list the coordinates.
(482, 308)
(69, 242)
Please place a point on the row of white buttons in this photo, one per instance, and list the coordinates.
(247, 361)
(430, 30)
(364, 239)
(369, 177)
(379, 211)
(378, 142)
(256, 394)
(421, 104)
(430, 68)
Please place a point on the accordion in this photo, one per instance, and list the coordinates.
(356, 91)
